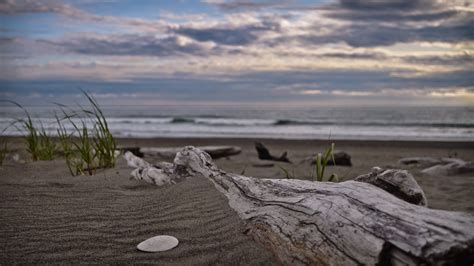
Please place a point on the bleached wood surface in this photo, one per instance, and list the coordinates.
(347, 223)
(216, 152)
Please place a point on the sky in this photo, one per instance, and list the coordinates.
(238, 52)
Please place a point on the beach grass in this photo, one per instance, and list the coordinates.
(104, 142)
(3, 152)
(321, 163)
(320, 167)
(38, 142)
(85, 149)
(65, 144)
(94, 148)
(287, 173)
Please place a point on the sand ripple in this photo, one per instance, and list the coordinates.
(92, 220)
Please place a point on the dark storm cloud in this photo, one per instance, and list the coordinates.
(242, 35)
(130, 45)
(382, 23)
(393, 16)
(365, 55)
(239, 36)
(441, 60)
(371, 35)
(6, 40)
(243, 86)
(386, 4)
(369, 27)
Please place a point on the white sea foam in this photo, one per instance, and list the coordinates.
(384, 124)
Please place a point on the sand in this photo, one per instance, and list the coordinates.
(47, 216)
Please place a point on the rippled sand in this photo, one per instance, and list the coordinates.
(54, 218)
(47, 216)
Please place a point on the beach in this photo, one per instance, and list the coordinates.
(48, 216)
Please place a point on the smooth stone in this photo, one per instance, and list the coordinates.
(158, 243)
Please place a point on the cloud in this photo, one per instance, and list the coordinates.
(12, 7)
(386, 4)
(393, 16)
(265, 50)
(464, 59)
(300, 85)
(133, 45)
(232, 5)
(456, 93)
(414, 92)
(382, 23)
(241, 35)
(371, 35)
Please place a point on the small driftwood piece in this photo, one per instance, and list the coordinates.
(263, 165)
(440, 167)
(347, 223)
(135, 150)
(450, 167)
(159, 175)
(421, 161)
(399, 183)
(215, 152)
(264, 154)
(341, 158)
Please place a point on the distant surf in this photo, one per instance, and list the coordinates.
(344, 123)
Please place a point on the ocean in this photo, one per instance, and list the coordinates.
(355, 123)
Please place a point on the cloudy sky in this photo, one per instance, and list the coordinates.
(295, 52)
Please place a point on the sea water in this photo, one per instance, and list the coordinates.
(359, 123)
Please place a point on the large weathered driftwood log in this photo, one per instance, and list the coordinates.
(347, 223)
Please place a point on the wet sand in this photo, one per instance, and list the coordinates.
(47, 216)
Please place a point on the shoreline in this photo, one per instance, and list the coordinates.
(370, 142)
(290, 138)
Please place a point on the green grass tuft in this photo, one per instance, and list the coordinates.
(104, 142)
(321, 162)
(95, 147)
(3, 153)
(66, 144)
(38, 143)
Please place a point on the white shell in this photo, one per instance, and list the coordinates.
(158, 243)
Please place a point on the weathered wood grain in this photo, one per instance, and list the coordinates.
(347, 223)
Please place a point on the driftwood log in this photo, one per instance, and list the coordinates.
(341, 158)
(440, 167)
(264, 154)
(421, 161)
(399, 183)
(134, 150)
(215, 152)
(347, 223)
